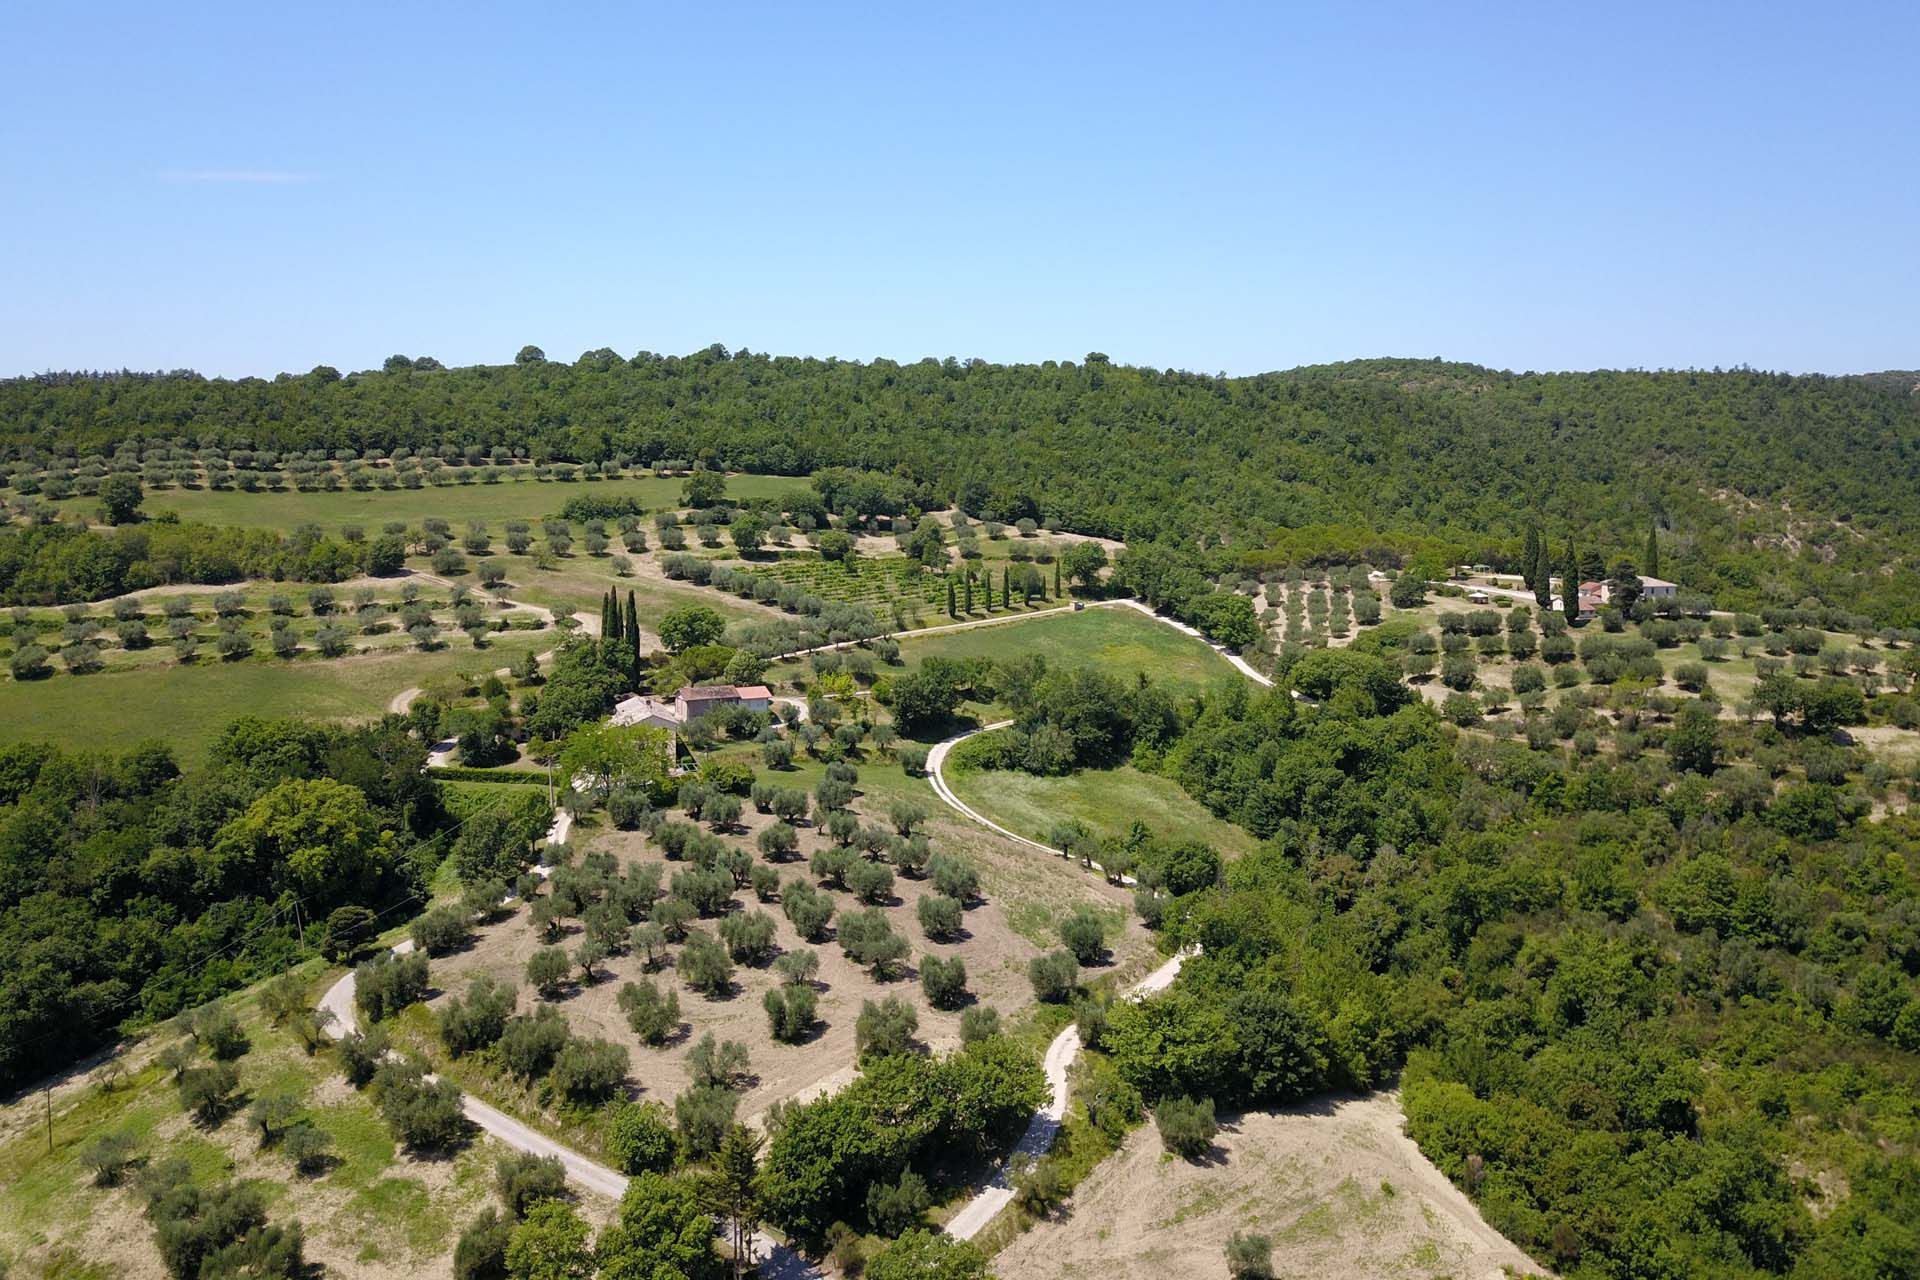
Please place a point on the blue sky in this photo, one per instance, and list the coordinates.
(247, 189)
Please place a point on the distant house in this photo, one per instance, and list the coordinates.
(648, 711)
(702, 699)
(690, 704)
(1658, 588)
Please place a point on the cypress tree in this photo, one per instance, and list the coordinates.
(952, 607)
(969, 591)
(609, 619)
(1542, 576)
(1653, 550)
(1056, 577)
(1570, 589)
(633, 637)
(1529, 561)
(1006, 587)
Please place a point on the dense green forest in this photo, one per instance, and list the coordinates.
(130, 891)
(1765, 488)
(1655, 1007)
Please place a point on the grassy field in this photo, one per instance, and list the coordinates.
(1108, 801)
(187, 706)
(455, 503)
(1121, 642)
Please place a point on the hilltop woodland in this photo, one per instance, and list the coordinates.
(1643, 960)
(1765, 489)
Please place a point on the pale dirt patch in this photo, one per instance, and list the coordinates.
(1313, 1178)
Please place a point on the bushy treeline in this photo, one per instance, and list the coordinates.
(57, 563)
(130, 890)
(906, 1115)
(1770, 487)
(1655, 1024)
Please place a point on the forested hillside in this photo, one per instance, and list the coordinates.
(1766, 487)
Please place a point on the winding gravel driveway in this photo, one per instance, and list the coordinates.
(781, 1262)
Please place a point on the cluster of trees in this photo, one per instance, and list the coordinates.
(1064, 719)
(1398, 453)
(906, 1116)
(55, 563)
(1635, 1013)
(130, 890)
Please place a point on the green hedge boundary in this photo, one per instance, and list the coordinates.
(458, 773)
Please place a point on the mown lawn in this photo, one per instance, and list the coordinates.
(1122, 642)
(1108, 801)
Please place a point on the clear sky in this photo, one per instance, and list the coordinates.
(245, 189)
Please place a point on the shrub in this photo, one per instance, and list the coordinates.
(1039, 1186)
(939, 917)
(885, 1028)
(522, 1179)
(1187, 1128)
(944, 981)
(791, 1011)
(920, 1254)
(548, 970)
(653, 1014)
(441, 930)
(1249, 1256)
(981, 1022)
(1054, 976)
(895, 1207)
(481, 1253)
(531, 1042)
(360, 1054)
(588, 1070)
(388, 983)
(1084, 936)
(807, 909)
(705, 966)
(424, 1115)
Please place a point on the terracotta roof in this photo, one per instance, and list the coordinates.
(708, 692)
(753, 691)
